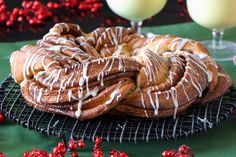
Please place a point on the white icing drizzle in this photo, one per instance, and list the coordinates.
(196, 85)
(56, 79)
(171, 76)
(221, 74)
(69, 82)
(84, 74)
(167, 95)
(199, 55)
(193, 70)
(39, 74)
(48, 79)
(121, 66)
(199, 63)
(117, 52)
(63, 84)
(101, 73)
(178, 44)
(119, 33)
(144, 106)
(209, 75)
(111, 65)
(151, 100)
(157, 104)
(71, 96)
(185, 93)
(82, 97)
(58, 96)
(39, 95)
(158, 45)
(78, 112)
(174, 96)
(116, 93)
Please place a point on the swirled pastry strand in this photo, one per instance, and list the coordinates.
(115, 70)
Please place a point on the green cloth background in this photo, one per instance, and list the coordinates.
(217, 142)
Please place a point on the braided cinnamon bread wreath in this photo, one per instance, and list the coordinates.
(115, 70)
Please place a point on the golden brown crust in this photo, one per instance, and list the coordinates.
(84, 75)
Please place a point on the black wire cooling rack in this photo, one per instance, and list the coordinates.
(111, 128)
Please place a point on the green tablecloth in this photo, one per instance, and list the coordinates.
(217, 142)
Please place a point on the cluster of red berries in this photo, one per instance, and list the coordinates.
(35, 152)
(61, 149)
(97, 151)
(35, 12)
(73, 147)
(183, 151)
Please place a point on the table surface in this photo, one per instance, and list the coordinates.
(217, 142)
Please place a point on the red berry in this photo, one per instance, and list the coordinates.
(50, 5)
(56, 5)
(63, 150)
(21, 12)
(2, 8)
(23, 4)
(184, 149)
(2, 154)
(72, 145)
(98, 152)
(123, 154)
(9, 23)
(165, 153)
(39, 22)
(40, 16)
(29, 4)
(93, 10)
(26, 154)
(82, 6)
(61, 145)
(172, 153)
(113, 152)
(20, 19)
(12, 17)
(1, 2)
(42, 152)
(32, 21)
(52, 155)
(15, 11)
(67, 5)
(168, 153)
(74, 154)
(48, 14)
(96, 147)
(3, 18)
(56, 150)
(81, 144)
(98, 140)
(36, 3)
